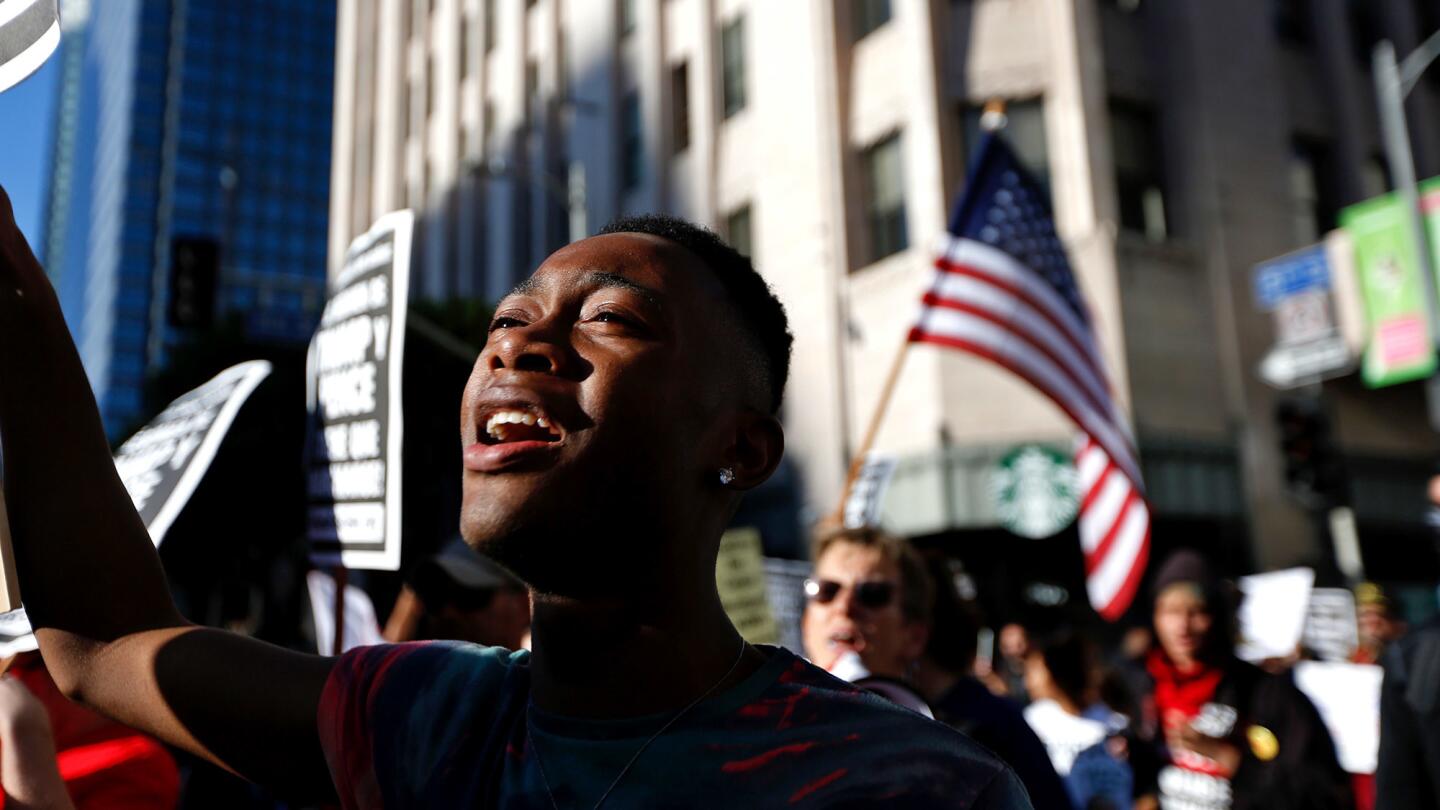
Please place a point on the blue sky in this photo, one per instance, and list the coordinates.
(27, 111)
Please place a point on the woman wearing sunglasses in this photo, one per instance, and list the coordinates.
(868, 599)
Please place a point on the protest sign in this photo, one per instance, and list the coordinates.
(867, 494)
(1330, 630)
(1272, 615)
(1348, 697)
(740, 578)
(163, 463)
(29, 33)
(354, 430)
(361, 628)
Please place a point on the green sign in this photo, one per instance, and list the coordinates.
(1399, 346)
(1036, 491)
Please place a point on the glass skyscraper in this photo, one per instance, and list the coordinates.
(195, 122)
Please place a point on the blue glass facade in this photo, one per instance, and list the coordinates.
(197, 119)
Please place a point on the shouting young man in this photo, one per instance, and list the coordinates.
(626, 397)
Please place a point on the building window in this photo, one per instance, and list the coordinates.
(632, 143)
(467, 38)
(1139, 170)
(884, 198)
(1024, 132)
(1375, 176)
(1366, 29)
(1291, 20)
(487, 126)
(738, 230)
(489, 11)
(680, 106)
(1313, 208)
(432, 77)
(869, 15)
(629, 16)
(532, 88)
(732, 50)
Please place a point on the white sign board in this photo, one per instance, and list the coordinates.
(29, 33)
(354, 438)
(1348, 697)
(1330, 629)
(1272, 615)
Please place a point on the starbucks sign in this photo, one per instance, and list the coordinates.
(1036, 491)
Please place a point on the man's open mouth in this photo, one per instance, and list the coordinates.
(506, 425)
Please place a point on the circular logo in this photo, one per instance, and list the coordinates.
(1036, 491)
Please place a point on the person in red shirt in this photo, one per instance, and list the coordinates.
(1232, 736)
(56, 754)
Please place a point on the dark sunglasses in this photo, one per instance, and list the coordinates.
(873, 594)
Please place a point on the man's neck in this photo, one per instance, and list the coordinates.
(609, 658)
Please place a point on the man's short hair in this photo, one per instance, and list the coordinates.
(760, 313)
(917, 589)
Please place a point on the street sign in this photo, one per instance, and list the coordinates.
(1296, 289)
(353, 443)
(1400, 346)
(29, 33)
(1036, 491)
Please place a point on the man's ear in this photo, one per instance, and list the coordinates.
(758, 444)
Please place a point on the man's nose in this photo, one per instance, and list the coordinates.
(527, 349)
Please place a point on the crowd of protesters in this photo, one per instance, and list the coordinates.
(1171, 718)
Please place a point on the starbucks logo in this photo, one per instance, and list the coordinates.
(1035, 490)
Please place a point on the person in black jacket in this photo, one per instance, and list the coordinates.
(1409, 770)
(1231, 735)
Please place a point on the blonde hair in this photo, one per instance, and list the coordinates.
(917, 589)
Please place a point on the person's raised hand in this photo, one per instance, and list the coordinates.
(28, 772)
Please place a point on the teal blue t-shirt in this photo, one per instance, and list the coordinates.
(444, 725)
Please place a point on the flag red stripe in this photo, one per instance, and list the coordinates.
(1115, 608)
(983, 275)
(1005, 323)
(1094, 491)
(1102, 549)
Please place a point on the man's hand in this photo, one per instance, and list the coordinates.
(28, 771)
(92, 581)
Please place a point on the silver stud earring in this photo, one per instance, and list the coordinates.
(727, 476)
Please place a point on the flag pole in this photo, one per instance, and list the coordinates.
(341, 576)
(857, 462)
(992, 119)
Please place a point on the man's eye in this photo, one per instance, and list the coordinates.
(613, 317)
(505, 322)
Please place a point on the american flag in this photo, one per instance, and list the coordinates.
(1004, 291)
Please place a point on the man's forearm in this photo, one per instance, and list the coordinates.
(85, 562)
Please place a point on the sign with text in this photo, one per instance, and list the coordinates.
(1330, 629)
(862, 507)
(163, 463)
(1295, 289)
(1400, 347)
(354, 436)
(740, 578)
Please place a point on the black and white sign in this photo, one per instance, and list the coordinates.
(29, 33)
(862, 507)
(1330, 629)
(163, 463)
(355, 364)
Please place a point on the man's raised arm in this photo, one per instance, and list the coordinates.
(92, 581)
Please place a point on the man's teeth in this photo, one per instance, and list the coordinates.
(495, 426)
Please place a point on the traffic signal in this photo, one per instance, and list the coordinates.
(194, 266)
(1313, 469)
